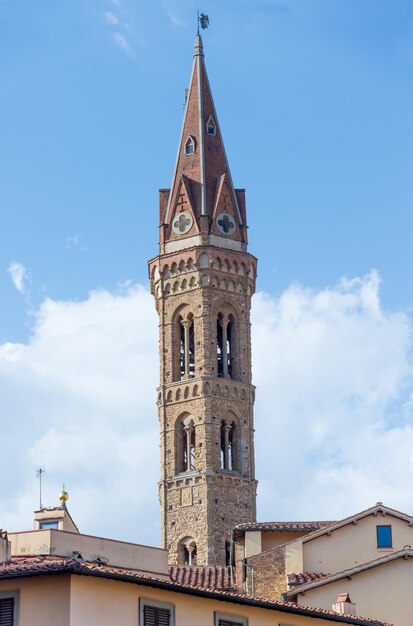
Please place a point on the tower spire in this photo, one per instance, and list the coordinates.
(202, 202)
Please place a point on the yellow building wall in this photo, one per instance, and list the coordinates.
(112, 603)
(384, 593)
(353, 545)
(42, 601)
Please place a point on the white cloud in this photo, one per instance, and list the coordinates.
(174, 12)
(121, 41)
(333, 415)
(18, 275)
(110, 18)
(74, 243)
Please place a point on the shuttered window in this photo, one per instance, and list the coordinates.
(226, 622)
(155, 616)
(6, 611)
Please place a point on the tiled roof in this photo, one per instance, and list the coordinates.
(20, 567)
(304, 577)
(202, 576)
(286, 526)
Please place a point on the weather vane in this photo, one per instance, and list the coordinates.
(203, 21)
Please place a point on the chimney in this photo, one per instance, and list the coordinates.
(344, 605)
(5, 547)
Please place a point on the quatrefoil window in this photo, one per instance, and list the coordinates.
(182, 223)
(226, 224)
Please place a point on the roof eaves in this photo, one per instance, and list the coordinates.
(70, 566)
(329, 578)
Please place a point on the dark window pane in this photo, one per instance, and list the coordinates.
(384, 537)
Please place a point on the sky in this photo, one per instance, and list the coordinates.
(315, 102)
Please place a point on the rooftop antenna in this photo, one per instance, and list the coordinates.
(203, 21)
(39, 474)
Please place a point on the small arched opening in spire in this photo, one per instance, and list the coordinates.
(211, 127)
(190, 145)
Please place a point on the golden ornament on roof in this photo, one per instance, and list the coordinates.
(63, 496)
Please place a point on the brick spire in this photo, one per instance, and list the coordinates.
(202, 207)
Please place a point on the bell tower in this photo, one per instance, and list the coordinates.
(202, 281)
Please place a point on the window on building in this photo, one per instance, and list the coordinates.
(153, 613)
(185, 443)
(227, 445)
(384, 539)
(186, 348)
(187, 553)
(188, 447)
(46, 525)
(211, 127)
(230, 620)
(189, 146)
(7, 609)
(229, 555)
(224, 345)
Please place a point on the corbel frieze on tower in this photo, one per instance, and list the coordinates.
(203, 280)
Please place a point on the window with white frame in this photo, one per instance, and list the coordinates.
(8, 609)
(223, 619)
(154, 613)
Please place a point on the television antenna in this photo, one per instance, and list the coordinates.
(39, 474)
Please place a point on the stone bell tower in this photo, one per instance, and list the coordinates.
(203, 280)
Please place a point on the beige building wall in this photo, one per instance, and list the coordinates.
(107, 602)
(118, 553)
(271, 539)
(41, 601)
(87, 601)
(353, 544)
(384, 593)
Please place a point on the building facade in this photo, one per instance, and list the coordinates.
(203, 280)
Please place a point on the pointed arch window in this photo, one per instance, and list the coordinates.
(228, 445)
(190, 145)
(187, 551)
(186, 347)
(224, 345)
(211, 126)
(185, 445)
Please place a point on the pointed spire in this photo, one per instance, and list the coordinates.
(202, 205)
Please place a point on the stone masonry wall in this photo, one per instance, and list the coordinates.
(204, 504)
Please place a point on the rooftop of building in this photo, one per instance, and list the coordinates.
(23, 567)
(284, 526)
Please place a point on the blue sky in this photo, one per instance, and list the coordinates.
(315, 101)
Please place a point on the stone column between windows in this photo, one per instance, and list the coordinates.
(187, 325)
(226, 446)
(224, 324)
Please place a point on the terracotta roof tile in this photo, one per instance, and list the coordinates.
(30, 566)
(304, 577)
(202, 576)
(285, 526)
